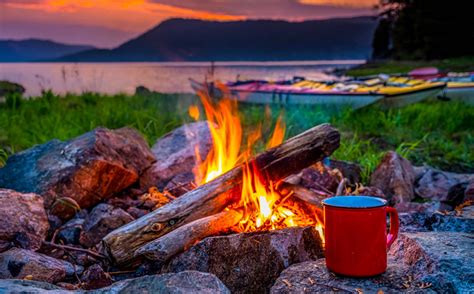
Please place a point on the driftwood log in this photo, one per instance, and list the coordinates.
(167, 246)
(276, 163)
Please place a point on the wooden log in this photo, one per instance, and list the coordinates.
(179, 240)
(302, 193)
(275, 163)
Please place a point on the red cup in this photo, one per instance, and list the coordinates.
(355, 229)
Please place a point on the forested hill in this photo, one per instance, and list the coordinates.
(252, 40)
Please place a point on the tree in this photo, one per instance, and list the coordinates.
(427, 29)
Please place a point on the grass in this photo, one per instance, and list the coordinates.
(437, 133)
(393, 66)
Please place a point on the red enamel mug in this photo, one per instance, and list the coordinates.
(355, 229)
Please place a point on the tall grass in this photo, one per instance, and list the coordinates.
(437, 133)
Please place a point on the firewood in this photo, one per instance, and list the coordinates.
(179, 240)
(302, 193)
(276, 163)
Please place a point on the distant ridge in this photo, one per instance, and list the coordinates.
(36, 50)
(251, 40)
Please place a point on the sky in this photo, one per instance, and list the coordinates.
(109, 23)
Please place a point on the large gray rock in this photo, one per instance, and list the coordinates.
(179, 283)
(434, 184)
(175, 153)
(29, 287)
(23, 220)
(84, 170)
(20, 263)
(250, 262)
(429, 262)
(313, 277)
(395, 176)
(103, 219)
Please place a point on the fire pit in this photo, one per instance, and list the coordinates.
(203, 211)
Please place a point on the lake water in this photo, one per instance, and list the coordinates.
(165, 77)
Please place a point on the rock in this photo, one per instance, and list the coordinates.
(103, 219)
(29, 287)
(70, 232)
(313, 277)
(24, 222)
(319, 178)
(418, 262)
(87, 169)
(469, 192)
(434, 184)
(175, 153)
(181, 184)
(7, 87)
(349, 170)
(95, 277)
(179, 283)
(137, 212)
(142, 91)
(20, 263)
(444, 259)
(425, 221)
(395, 176)
(250, 262)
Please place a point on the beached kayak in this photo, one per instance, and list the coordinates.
(460, 86)
(351, 94)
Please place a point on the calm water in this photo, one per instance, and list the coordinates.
(166, 77)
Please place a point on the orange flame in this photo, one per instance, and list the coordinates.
(264, 207)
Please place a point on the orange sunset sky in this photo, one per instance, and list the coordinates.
(108, 23)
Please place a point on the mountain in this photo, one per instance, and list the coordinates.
(35, 50)
(251, 40)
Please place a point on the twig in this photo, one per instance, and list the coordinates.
(90, 252)
(341, 186)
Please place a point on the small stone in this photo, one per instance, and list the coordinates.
(70, 232)
(434, 184)
(103, 219)
(176, 283)
(428, 221)
(180, 184)
(137, 212)
(175, 153)
(24, 222)
(94, 278)
(395, 176)
(19, 263)
(250, 262)
(320, 178)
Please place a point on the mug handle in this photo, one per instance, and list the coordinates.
(394, 224)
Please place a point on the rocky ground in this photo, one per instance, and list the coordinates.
(60, 199)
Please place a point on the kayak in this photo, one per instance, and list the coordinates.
(460, 87)
(353, 94)
(266, 93)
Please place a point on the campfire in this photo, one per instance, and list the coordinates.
(263, 206)
(235, 191)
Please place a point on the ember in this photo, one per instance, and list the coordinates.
(264, 207)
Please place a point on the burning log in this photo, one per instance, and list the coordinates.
(167, 246)
(211, 198)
